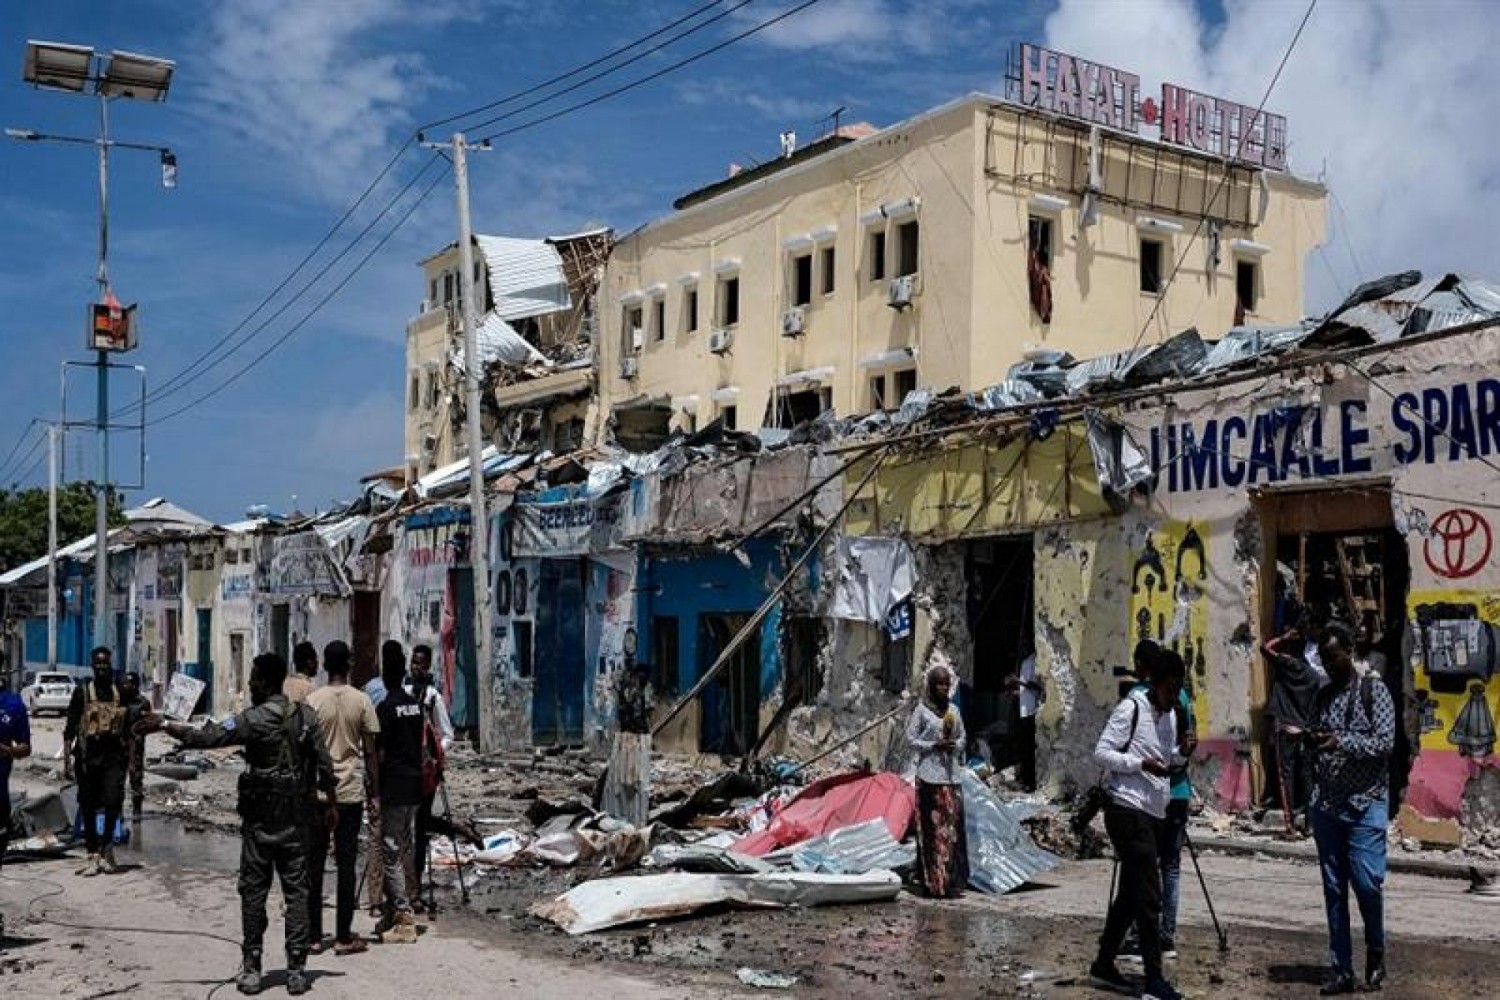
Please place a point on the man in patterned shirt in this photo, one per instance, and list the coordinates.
(1354, 731)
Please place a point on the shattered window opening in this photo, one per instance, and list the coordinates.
(802, 280)
(907, 240)
(1039, 239)
(659, 320)
(730, 416)
(1151, 266)
(690, 310)
(877, 393)
(877, 254)
(827, 266)
(906, 383)
(1246, 284)
(729, 301)
(803, 637)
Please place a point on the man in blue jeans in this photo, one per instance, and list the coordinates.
(1354, 731)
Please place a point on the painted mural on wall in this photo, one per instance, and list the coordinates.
(1169, 600)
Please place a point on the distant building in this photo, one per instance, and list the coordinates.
(936, 253)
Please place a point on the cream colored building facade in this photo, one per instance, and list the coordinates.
(853, 271)
(432, 390)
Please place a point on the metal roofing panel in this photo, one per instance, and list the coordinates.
(526, 276)
(496, 341)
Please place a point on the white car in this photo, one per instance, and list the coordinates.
(50, 692)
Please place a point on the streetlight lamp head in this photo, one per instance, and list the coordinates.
(134, 76)
(57, 66)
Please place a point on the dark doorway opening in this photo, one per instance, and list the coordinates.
(366, 627)
(1000, 612)
(557, 694)
(731, 702)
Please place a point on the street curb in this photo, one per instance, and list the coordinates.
(1430, 867)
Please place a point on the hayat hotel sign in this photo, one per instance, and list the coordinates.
(1103, 95)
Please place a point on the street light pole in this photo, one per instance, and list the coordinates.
(53, 433)
(101, 485)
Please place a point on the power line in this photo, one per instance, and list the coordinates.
(307, 286)
(20, 440)
(1420, 416)
(654, 76)
(613, 69)
(185, 375)
(500, 102)
(1161, 295)
(317, 307)
(21, 463)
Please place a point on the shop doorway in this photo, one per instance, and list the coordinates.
(366, 628)
(557, 695)
(1339, 558)
(731, 702)
(1000, 607)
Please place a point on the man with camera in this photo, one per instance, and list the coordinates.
(1352, 735)
(1138, 750)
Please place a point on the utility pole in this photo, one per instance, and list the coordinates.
(53, 431)
(479, 525)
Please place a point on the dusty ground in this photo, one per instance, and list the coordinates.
(1035, 942)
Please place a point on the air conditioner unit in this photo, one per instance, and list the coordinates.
(630, 367)
(720, 341)
(793, 322)
(901, 290)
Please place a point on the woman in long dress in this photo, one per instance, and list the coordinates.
(936, 734)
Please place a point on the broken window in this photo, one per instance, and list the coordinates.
(877, 254)
(568, 435)
(1151, 266)
(906, 246)
(800, 407)
(877, 392)
(658, 319)
(690, 310)
(827, 266)
(729, 301)
(906, 383)
(1245, 285)
(802, 280)
(730, 416)
(633, 334)
(804, 675)
(1039, 239)
(664, 655)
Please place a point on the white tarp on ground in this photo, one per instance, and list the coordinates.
(870, 577)
(610, 902)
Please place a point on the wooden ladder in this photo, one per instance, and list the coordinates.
(1361, 558)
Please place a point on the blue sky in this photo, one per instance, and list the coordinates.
(283, 110)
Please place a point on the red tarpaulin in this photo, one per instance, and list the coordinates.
(832, 804)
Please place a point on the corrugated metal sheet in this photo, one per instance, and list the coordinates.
(1002, 855)
(526, 276)
(496, 341)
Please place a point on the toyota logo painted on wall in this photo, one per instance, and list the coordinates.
(1460, 544)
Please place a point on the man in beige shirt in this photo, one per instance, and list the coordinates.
(349, 725)
(299, 683)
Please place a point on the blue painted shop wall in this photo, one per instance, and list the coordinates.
(710, 583)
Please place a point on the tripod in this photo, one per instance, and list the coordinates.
(1192, 849)
(459, 863)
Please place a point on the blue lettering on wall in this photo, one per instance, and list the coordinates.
(1406, 452)
(1354, 434)
(1461, 443)
(1434, 419)
(1231, 458)
(1200, 469)
(1262, 449)
(1487, 390)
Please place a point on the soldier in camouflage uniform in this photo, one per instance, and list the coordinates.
(285, 760)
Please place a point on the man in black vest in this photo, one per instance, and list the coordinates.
(96, 750)
(285, 759)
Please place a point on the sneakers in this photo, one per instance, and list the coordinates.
(107, 864)
(1105, 976)
(1374, 968)
(90, 867)
(353, 946)
(403, 929)
(297, 982)
(1160, 989)
(1337, 984)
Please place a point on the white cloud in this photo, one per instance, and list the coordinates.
(1395, 114)
(784, 109)
(318, 91)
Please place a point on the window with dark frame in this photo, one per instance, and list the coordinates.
(523, 648)
(416, 392)
(634, 321)
(827, 264)
(906, 382)
(1039, 239)
(907, 237)
(658, 319)
(729, 301)
(802, 280)
(664, 655)
(1151, 266)
(690, 310)
(877, 254)
(803, 637)
(1245, 283)
(730, 415)
(877, 392)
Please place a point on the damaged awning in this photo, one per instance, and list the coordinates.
(526, 279)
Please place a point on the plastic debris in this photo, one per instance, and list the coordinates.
(766, 980)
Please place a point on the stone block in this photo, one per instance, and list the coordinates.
(1445, 834)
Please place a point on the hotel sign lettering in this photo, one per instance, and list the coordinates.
(1103, 95)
